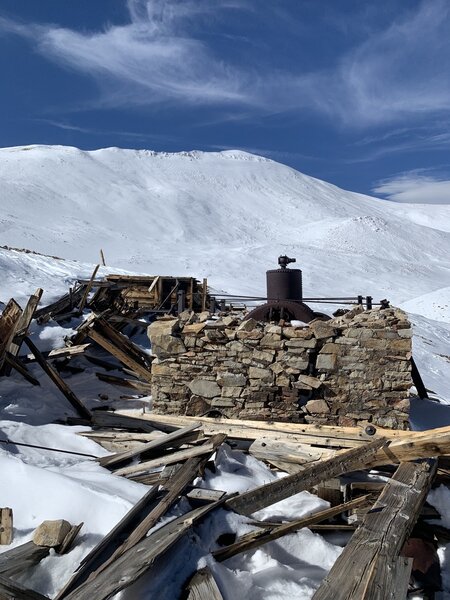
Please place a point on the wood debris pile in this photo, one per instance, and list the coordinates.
(386, 511)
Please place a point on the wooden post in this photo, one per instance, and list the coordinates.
(191, 293)
(6, 526)
(102, 258)
(204, 293)
(88, 288)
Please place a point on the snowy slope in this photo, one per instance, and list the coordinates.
(225, 215)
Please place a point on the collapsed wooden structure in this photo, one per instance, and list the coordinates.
(169, 452)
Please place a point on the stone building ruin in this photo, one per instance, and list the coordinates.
(354, 369)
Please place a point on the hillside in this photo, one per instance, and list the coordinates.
(224, 215)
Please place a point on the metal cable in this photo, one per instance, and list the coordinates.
(46, 448)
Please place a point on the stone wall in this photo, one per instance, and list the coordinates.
(354, 368)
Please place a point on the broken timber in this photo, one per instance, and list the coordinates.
(177, 437)
(120, 346)
(9, 322)
(203, 586)
(6, 526)
(12, 590)
(322, 435)
(364, 569)
(21, 331)
(135, 525)
(132, 564)
(265, 495)
(257, 538)
(18, 559)
(81, 409)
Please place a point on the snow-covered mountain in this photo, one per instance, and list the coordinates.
(224, 215)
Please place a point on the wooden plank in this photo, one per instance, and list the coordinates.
(68, 541)
(121, 341)
(414, 446)
(255, 539)
(128, 383)
(20, 558)
(323, 435)
(60, 352)
(102, 418)
(182, 478)
(80, 408)
(134, 526)
(203, 586)
(9, 321)
(23, 326)
(109, 544)
(399, 574)
(131, 565)
(122, 356)
(168, 459)
(88, 289)
(12, 590)
(273, 452)
(6, 526)
(63, 304)
(265, 495)
(205, 495)
(15, 363)
(164, 441)
(364, 569)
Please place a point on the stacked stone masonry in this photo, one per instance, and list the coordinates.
(353, 369)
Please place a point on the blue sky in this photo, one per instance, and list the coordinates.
(356, 92)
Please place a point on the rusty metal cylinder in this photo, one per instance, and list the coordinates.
(284, 284)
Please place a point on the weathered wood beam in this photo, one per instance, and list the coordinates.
(135, 525)
(322, 435)
(83, 300)
(9, 322)
(18, 559)
(120, 354)
(164, 441)
(109, 544)
(15, 363)
(175, 486)
(22, 327)
(168, 459)
(203, 586)
(6, 526)
(12, 590)
(265, 495)
(80, 408)
(140, 386)
(364, 569)
(135, 562)
(59, 353)
(102, 418)
(63, 304)
(257, 538)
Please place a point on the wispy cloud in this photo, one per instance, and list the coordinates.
(108, 132)
(159, 57)
(415, 187)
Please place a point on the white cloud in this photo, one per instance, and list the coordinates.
(399, 73)
(414, 188)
